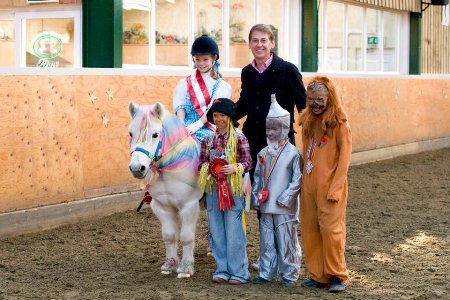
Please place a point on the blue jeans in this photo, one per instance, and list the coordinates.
(228, 240)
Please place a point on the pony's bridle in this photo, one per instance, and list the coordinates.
(143, 128)
(153, 157)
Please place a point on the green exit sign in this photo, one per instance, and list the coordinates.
(372, 40)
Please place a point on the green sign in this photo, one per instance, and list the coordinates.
(372, 40)
(47, 46)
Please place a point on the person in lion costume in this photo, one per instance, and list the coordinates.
(326, 150)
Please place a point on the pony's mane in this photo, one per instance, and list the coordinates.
(173, 130)
(179, 146)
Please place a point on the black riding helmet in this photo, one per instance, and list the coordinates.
(204, 45)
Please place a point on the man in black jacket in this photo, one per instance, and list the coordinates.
(267, 74)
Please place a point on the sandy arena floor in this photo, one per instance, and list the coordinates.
(398, 247)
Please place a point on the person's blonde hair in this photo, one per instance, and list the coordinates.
(334, 113)
(215, 73)
(263, 28)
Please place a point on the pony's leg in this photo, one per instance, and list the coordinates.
(188, 217)
(169, 228)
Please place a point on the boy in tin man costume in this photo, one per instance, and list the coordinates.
(275, 192)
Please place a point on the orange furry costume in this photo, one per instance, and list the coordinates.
(324, 187)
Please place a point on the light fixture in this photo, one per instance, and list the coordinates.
(433, 2)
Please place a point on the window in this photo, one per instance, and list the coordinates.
(358, 38)
(172, 33)
(136, 24)
(242, 14)
(271, 12)
(7, 41)
(48, 39)
(161, 32)
(49, 42)
(354, 38)
(208, 19)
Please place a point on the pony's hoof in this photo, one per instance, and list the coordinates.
(169, 266)
(186, 269)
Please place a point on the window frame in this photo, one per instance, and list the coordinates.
(8, 15)
(20, 31)
(402, 43)
(290, 38)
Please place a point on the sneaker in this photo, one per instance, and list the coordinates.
(218, 280)
(234, 282)
(311, 283)
(260, 280)
(336, 285)
(288, 283)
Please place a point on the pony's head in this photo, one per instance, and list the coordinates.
(159, 141)
(145, 136)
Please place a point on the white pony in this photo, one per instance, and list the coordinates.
(166, 157)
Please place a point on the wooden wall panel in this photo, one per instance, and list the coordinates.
(435, 42)
(55, 146)
(103, 122)
(40, 140)
(388, 112)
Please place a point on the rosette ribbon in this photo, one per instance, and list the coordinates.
(225, 195)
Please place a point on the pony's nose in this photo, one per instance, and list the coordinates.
(138, 170)
(137, 167)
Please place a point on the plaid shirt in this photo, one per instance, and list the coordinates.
(220, 140)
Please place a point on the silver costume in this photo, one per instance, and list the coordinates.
(280, 251)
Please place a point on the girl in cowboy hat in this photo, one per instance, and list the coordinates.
(224, 158)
